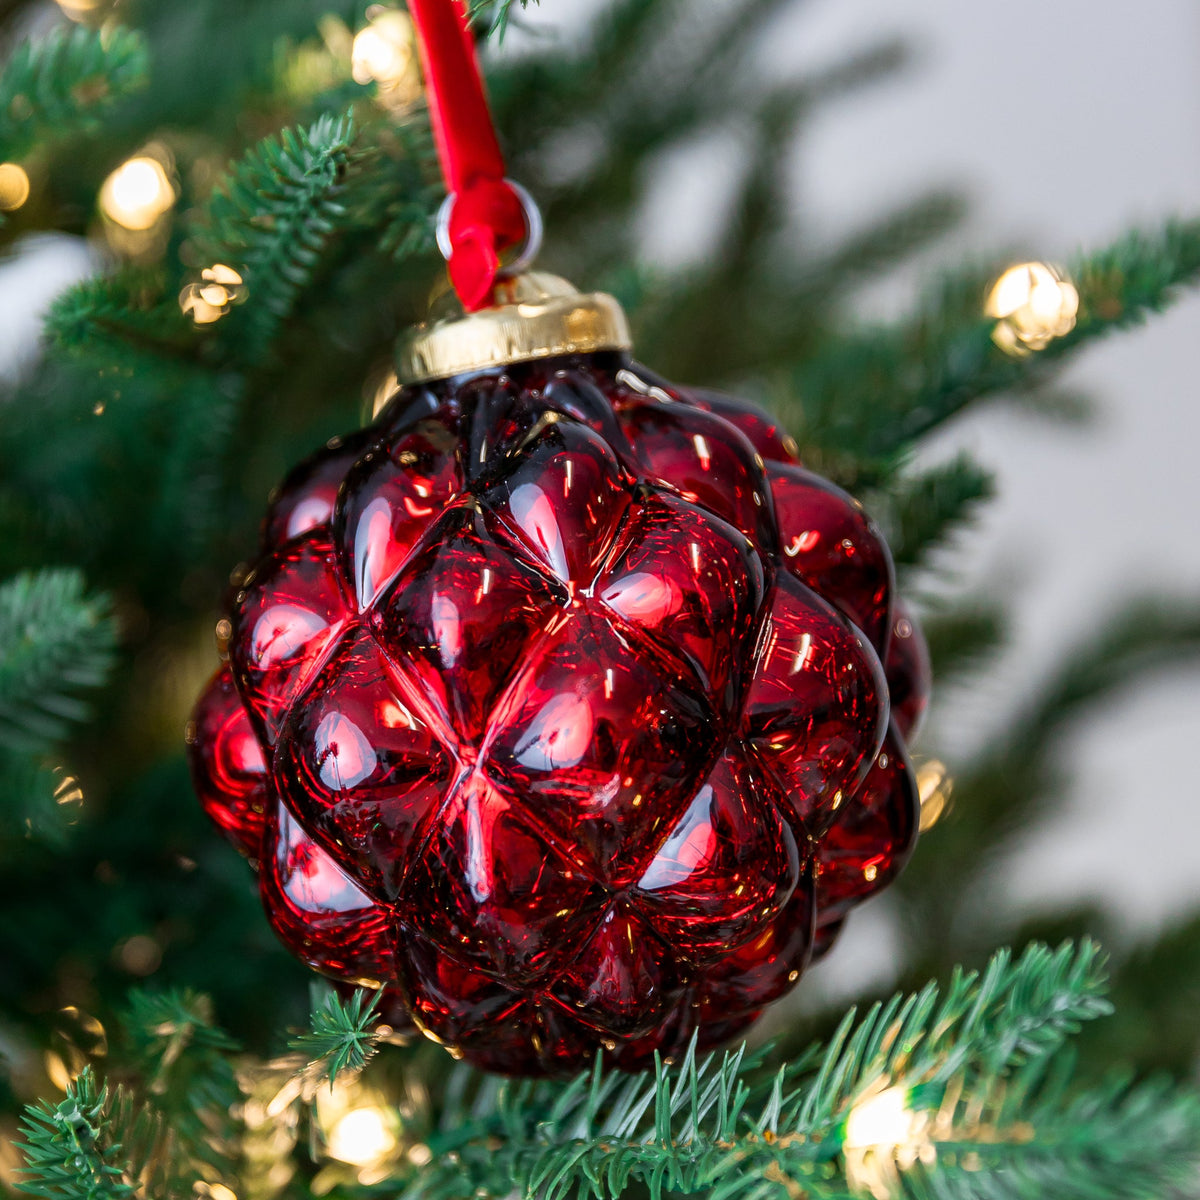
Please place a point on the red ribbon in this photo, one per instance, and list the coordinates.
(487, 217)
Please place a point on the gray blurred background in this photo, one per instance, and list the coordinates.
(1066, 122)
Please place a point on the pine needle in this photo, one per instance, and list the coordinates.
(65, 82)
(56, 642)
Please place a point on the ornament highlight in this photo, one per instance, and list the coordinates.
(558, 705)
(1034, 304)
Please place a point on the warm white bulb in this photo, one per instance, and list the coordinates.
(14, 186)
(880, 1120)
(137, 193)
(361, 1137)
(1033, 305)
(383, 50)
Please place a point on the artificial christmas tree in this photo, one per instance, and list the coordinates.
(232, 329)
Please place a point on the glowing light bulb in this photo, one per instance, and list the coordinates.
(210, 299)
(883, 1119)
(137, 194)
(80, 10)
(383, 53)
(14, 187)
(361, 1137)
(883, 1136)
(1033, 304)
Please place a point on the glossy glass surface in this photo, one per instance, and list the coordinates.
(816, 710)
(761, 429)
(830, 543)
(873, 835)
(316, 909)
(706, 460)
(229, 770)
(567, 682)
(306, 498)
(909, 672)
(287, 619)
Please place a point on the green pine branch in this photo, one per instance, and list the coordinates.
(68, 1148)
(56, 642)
(960, 639)
(1013, 777)
(926, 510)
(110, 315)
(492, 16)
(272, 219)
(868, 396)
(341, 1037)
(65, 83)
(972, 1065)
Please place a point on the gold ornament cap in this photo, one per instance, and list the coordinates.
(534, 315)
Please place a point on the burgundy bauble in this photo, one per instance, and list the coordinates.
(556, 706)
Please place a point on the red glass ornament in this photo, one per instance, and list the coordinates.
(560, 714)
(872, 836)
(909, 672)
(229, 769)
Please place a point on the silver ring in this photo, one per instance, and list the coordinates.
(534, 229)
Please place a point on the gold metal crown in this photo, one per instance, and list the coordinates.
(535, 315)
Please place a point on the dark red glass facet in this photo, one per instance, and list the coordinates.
(392, 495)
(306, 497)
(316, 909)
(763, 969)
(555, 706)
(460, 618)
(229, 771)
(491, 887)
(288, 616)
(726, 869)
(828, 542)
(564, 501)
(761, 429)
(704, 604)
(816, 712)
(604, 740)
(706, 461)
(909, 672)
(361, 769)
(622, 981)
(873, 835)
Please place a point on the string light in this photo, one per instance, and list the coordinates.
(935, 785)
(14, 187)
(137, 194)
(78, 1039)
(361, 1131)
(210, 299)
(361, 1137)
(82, 11)
(1033, 304)
(883, 1136)
(384, 53)
(213, 1191)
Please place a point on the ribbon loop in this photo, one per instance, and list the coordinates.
(486, 214)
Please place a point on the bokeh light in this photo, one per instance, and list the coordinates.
(14, 186)
(1033, 304)
(137, 194)
(384, 53)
